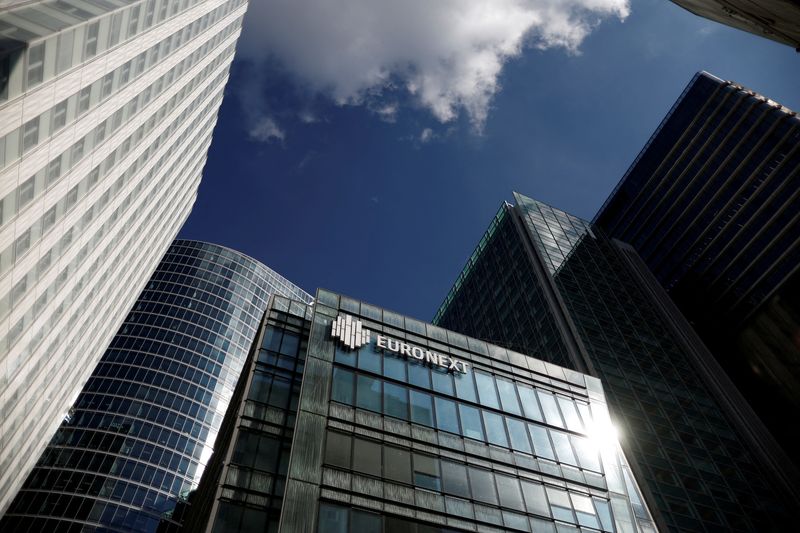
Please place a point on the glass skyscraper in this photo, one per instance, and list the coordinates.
(352, 418)
(143, 428)
(106, 114)
(541, 278)
(712, 206)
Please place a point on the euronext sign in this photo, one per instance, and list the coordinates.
(352, 334)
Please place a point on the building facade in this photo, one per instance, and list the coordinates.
(778, 20)
(712, 206)
(142, 430)
(384, 423)
(106, 114)
(694, 444)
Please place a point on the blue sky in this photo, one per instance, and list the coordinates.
(379, 183)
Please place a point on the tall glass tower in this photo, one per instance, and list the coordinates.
(106, 114)
(545, 282)
(142, 430)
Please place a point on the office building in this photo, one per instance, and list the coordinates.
(778, 20)
(143, 428)
(712, 206)
(352, 418)
(543, 281)
(106, 114)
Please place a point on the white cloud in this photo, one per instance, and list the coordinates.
(448, 54)
(426, 135)
(265, 129)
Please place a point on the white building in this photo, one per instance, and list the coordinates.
(106, 113)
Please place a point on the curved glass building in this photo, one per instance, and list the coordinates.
(139, 435)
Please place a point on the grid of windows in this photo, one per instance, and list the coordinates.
(140, 432)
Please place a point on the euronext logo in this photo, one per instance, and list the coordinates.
(350, 331)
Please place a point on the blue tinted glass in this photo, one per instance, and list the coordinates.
(508, 396)
(332, 518)
(345, 356)
(486, 390)
(495, 429)
(272, 339)
(395, 401)
(446, 417)
(519, 435)
(421, 408)
(550, 408)
(529, 402)
(541, 442)
(368, 393)
(369, 360)
(563, 448)
(465, 386)
(482, 483)
(471, 422)
(442, 381)
(342, 386)
(419, 374)
(394, 368)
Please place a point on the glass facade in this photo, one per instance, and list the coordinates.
(695, 463)
(141, 432)
(712, 206)
(382, 440)
(106, 114)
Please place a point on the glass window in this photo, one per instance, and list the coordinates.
(471, 422)
(59, 116)
(508, 396)
(541, 442)
(369, 360)
(454, 479)
(421, 408)
(584, 511)
(519, 435)
(64, 51)
(30, 134)
(397, 464)
(495, 430)
(337, 449)
(446, 417)
(570, 413)
(362, 521)
(84, 99)
(482, 483)
(563, 448)
(90, 44)
(368, 393)
(587, 453)
(426, 472)
(419, 375)
(35, 64)
(342, 386)
(465, 386)
(550, 408)
(394, 368)
(395, 401)
(26, 192)
(535, 500)
(560, 506)
(486, 390)
(529, 402)
(345, 356)
(442, 381)
(366, 457)
(508, 490)
(604, 513)
(332, 518)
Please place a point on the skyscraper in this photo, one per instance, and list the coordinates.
(778, 20)
(542, 281)
(712, 206)
(106, 114)
(352, 418)
(144, 426)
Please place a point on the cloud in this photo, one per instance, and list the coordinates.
(265, 129)
(446, 54)
(426, 135)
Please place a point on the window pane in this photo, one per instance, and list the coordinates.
(345, 356)
(508, 396)
(397, 464)
(486, 391)
(395, 401)
(446, 418)
(454, 479)
(560, 506)
(541, 442)
(535, 500)
(426, 472)
(529, 402)
(508, 490)
(362, 521)
(337, 449)
(563, 448)
(482, 484)
(442, 381)
(550, 408)
(366, 457)
(587, 453)
(369, 359)
(495, 429)
(471, 422)
(394, 368)
(332, 518)
(465, 386)
(368, 393)
(604, 512)
(342, 386)
(519, 435)
(570, 413)
(421, 408)
(419, 374)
